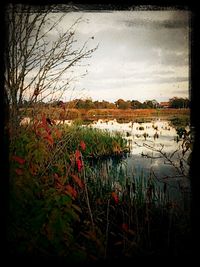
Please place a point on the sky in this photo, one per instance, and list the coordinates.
(141, 55)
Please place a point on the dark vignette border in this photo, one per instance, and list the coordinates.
(194, 119)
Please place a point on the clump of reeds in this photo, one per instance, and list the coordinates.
(136, 210)
(98, 143)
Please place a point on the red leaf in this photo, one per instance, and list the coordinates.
(48, 130)
(72, 192)
(79, 161)
(79, 164)
(77, 155)
(44, 121)
(18, 171)
(83, 145)
(77, 180)
(19, 160)
(58, 133)
(49, 138)
(115, 197)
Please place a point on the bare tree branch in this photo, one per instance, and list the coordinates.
(35, 63)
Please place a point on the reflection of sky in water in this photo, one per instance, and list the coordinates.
(141, 135)
(159, 135)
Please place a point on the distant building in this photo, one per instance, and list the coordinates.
(164, 104)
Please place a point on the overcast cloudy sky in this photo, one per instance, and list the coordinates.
(141, 55)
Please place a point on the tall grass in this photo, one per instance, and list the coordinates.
(66, 201)
(98, 143)
(92, 114)
(141, 212)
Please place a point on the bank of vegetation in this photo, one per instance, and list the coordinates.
(88, 103)
(65, 203)
(58, 113)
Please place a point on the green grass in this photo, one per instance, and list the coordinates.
(98, 143)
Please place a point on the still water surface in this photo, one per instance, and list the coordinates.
(154, 151)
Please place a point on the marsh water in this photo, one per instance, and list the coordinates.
(154, 153)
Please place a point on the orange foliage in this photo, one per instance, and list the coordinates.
(71, 191)
(77, 180)
(49, 138)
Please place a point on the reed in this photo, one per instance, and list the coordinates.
(98, 143)
(137, 209)
(73, 195)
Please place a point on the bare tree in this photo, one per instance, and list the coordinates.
(37, 65)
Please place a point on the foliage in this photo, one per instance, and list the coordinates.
(47, 189)
(98, 143)
(185, 136)
(66, 202)
(176, 102)
(180, 121)
(43, 192)
(121, 104)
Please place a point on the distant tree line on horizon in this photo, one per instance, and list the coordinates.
(88, 103)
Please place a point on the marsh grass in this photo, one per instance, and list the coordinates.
(111, 213)
(135, 213)
(98, 143)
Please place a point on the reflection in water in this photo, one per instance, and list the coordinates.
(154, 151)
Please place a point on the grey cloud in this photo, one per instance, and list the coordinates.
(127, 42)
(173, 58)
(157, 80)
(112, 82)
(137, 44)
(141, 44)
(160, 19)
(174, 80)
(155, 24)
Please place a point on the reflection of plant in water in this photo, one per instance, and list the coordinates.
(187, 139)
(169, 158)
(137, 209)
(180, 158)
(133, 213)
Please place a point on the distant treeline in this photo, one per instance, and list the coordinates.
(88, 103)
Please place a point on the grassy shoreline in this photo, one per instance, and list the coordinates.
(94, 114)
(65, 205)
